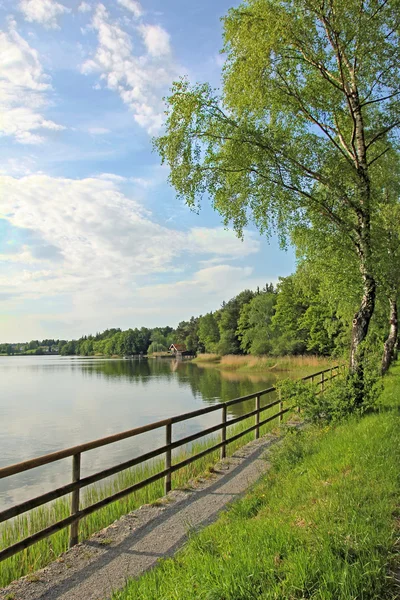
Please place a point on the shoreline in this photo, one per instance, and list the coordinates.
(304, 364)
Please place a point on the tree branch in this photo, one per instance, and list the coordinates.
(321, 68)
(380, 99)
(371, 162)
(382, 133)
(324, 128)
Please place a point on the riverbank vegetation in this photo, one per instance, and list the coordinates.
(43, 552)
(321, 524)
(297, 366)
(301, 139)
(34, 347)
(289, 319)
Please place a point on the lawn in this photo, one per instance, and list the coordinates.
(322, 524)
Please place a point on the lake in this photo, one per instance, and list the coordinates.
(51, 402)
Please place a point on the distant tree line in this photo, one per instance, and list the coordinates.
(47, 346)
(295, 317)
(302, 139)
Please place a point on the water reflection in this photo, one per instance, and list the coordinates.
(48, 403)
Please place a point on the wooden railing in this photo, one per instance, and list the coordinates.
(79, 482)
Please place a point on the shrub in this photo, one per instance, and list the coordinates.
(338, 401)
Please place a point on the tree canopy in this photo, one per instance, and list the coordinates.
(306, 119)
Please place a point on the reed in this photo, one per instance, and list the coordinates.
(207, 357)
(298, 366)
(45, 551)
(321, 524)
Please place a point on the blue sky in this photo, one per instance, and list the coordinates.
(91, 234)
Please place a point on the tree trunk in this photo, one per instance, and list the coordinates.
(362, 318)
(391, 340)
(361, 323)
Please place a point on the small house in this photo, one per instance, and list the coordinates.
(179, 350)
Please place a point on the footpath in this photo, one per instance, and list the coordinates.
(93, 569)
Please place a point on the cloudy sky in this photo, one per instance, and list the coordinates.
(91, 234)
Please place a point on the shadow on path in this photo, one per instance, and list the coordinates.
(165, 530)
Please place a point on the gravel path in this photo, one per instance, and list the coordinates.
(93, 569)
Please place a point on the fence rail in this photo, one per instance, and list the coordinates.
(77, 483)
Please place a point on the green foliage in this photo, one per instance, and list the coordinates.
(302, 140)
(254, 324)
(295, 318)
(295, 393)
(340, 398)
(228, 319)
(208, 332)
(187, 333)
(156, 347)
(320, 524)
(290, 307)
(276, 146)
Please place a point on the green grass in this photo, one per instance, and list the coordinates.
(40, 554)
(321, 524)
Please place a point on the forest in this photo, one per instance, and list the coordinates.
(287, 319)
(305, 313)
(301, 140)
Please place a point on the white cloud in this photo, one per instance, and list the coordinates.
(156, 39)
(222, 242)
(45, 12)
(140, 182)
(23, 91)
(20, 65)
(204, 291)
(18, 166)
(90, 241)
(21, 121)
(84, 7)
(139, 79)
(112, 177)
(133, 6)
(204, 281)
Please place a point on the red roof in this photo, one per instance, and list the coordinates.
(178, 347)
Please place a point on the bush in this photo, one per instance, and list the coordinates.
(339, 400)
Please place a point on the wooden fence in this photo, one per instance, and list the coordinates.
(75, 452)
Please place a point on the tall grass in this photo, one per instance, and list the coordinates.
(207, 357)
(40, 554)
(297, 365)
(320, 525)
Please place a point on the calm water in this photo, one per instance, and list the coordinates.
(50, 403)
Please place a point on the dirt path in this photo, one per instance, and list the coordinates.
(93, 569)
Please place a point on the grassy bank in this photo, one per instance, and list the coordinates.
(43, 552)
(321, 524)
(296, 366)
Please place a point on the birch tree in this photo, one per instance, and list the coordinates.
(308, 108)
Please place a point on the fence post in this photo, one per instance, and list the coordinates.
(257, 429)
(280, 405)
(322, 381)
(76, 475)
(223, 433)
(168, 457)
